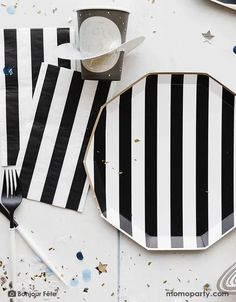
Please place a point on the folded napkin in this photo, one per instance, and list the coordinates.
(21, 53)
(55, 141)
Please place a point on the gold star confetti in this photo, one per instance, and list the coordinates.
(208, 36)
(101, 268)
(206, 287)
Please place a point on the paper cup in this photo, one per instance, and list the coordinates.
(101, 30)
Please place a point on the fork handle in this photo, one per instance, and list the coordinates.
(13, 256)
(40, 253)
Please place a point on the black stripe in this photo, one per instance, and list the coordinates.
(151, 160)
(125, 138)
(80, 175)
(100, 162)
(12, 98)
(39, 125)
(62, 140)
(227, 159)
(63, 36)
(202, 157)
(176, 159)
(37, 53)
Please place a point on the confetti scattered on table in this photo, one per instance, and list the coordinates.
(8, 70)
(206, 287)
(3, 280)
(101, 268)
(86, 275)
(74, 282)
(208, 36)
(80, 256)
(11, 10)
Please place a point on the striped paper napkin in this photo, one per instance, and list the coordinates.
(55, 141)
(21, 53)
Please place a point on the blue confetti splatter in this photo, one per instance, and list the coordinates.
(49, 272)
(234, 49)
(74, 282)
(11, 10)
(80, 256)
(8, 70)
(86, 275)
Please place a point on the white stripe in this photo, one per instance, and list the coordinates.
(214, 160)
(83, 196)
(26, 103)
(189, 161)
(29, 122)
(75, 143)
(112, 165)
(72, 40)
(138, 162)
(163, 161)
(50, 134)
(3, 130)
(50, 45)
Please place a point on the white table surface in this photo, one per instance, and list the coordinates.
(174, 42)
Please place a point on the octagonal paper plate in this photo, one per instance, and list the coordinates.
(227, 3)
(161, 161)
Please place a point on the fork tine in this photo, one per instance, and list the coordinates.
(18, 191)
(12, 182)
(4, 186)
(10, 185)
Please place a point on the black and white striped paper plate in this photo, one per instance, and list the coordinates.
(23, 50)
(56, 137)
(162, 162)
(227, 3)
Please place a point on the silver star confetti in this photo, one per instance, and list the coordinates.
(208, 36)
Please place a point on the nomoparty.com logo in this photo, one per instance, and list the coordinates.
(13, 294)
